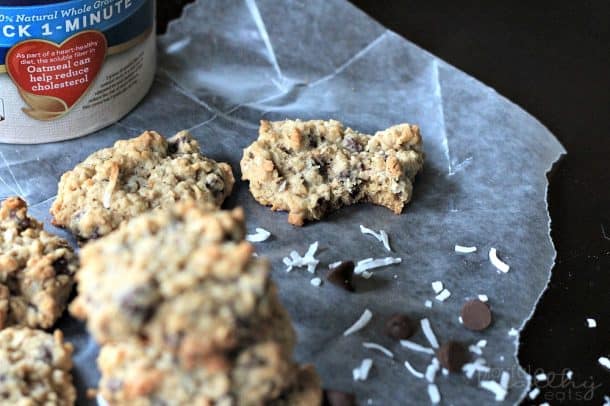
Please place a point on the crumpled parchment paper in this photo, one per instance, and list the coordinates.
(226, 64)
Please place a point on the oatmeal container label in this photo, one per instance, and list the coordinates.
(69, 68)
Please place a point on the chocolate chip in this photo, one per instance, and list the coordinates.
(22, 223)
(214, 183)
(173, 339)
(174, 145)
(114, 384)
(352, 145)
(46, 354)
(60, 266)
(323, 205)
(322, 166)
(453, 355)
(476, 315)
(139, 304)
(342, 275)
(338, 398)
(399, 327)
(313, 143)
(355, 190)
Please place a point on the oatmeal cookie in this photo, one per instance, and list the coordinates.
(135, 176)
(182, 280)
(35, 368)
(36, 269)
(257, 374)
(310, 168)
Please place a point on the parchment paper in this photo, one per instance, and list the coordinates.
(229, 63)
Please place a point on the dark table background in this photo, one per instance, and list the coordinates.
(553, 59)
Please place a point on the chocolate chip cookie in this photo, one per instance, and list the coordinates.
(137, 175)
(36, 269)
(35, 368)
(310, 168)
(183, 280)
(259, 374)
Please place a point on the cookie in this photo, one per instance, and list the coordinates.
(182, 280)
(310, 168)
(135, 176)
(35, 368)
(36, 269)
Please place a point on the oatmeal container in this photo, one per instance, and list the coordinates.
(69, 68)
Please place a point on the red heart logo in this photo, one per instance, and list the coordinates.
(52, 78)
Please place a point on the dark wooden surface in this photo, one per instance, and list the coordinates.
(553, 59)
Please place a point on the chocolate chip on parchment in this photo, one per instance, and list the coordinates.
(338, 398)
(342, 275)
(399, 327)
(453, 355)
(476, 315)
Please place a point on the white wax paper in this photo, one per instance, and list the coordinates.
(226, 64)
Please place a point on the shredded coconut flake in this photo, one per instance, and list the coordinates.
(308, 260)
(534, 393)
(475, 349)
(591, 323)
(444, 295)
(416, 347)
(513, 332)
(375, 346)
(541, 377)
(437, 286)
(335, 264)
(316, 282)
(260, 235)
(435, 396)
(569, 374)
(606, 401)
(445, 371)
(495, 388)
(360, 323)
(101, 401)
(605, 362)
(431, 370)
(483, 298)
(465, 250)
(413, 371)
(545, 404)
(361, 373)
(427, 329)
(504, 380)
(477, 366)
(493, 258)
(107, 198)
(381, 236)
(370, 263)
(428, 303)
(460, 320)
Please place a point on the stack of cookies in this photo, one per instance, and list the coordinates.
(36, 277)
(186, 314)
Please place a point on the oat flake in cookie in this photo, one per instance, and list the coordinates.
(310, 168)
(35, 368)
(137, 175)
(36, 269)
